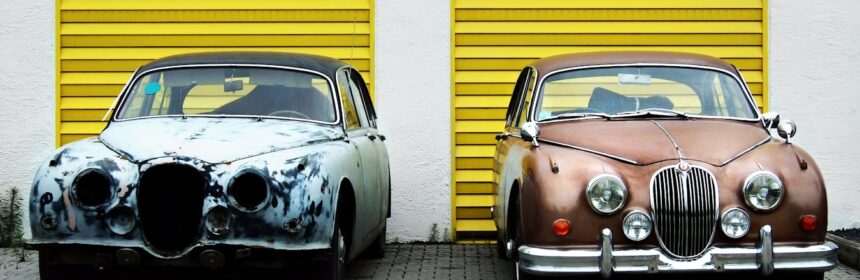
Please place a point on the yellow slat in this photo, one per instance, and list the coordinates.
(625, 14)
(505, 76)
(214, 15)
(473, 176)
(475, 225)
(213, 5)
(81, 127)
(86, 102)
(474, 151)
(214, 40)
(474, 213)
(478, 138)
(517, 64)
(501, 101)
(479, 126)
(544, 51)
(213, 28)
(615, 4)
(81, 115)
(639, 27)
(609, 39)
(113, 78)
(116, 65)
(474, 188)
(475, 200)
(473, 163)
(154, 53)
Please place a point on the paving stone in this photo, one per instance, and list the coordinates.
(402, 261)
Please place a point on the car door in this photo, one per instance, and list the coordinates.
(503, 145)
(359, 134)
(383, 186)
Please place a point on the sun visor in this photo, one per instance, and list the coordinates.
(281, 78)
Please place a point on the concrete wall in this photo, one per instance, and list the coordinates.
(27, 94)
(815, 80)
(413, 89)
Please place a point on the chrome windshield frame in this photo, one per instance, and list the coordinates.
(138, 75)
(538, 95)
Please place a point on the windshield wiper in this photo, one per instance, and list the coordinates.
(660, 112)
(577, 115)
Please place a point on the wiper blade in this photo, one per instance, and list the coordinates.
(651, 112)
(577, 115)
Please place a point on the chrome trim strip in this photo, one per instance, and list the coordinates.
(665, 132)
(738, 78)
(760, 257)
(137, 76)
(747, 150)
(630, 161)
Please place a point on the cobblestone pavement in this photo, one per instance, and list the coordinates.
(402, 261)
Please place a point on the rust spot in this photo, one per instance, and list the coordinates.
(70, 212)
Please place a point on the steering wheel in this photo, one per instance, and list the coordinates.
(289, 114)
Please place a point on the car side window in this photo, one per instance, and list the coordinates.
(528, 89)
(362, 97)
(350, 111)
(516, 96)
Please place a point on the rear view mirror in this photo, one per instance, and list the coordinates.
(232, 86)
(770, 119)
(530, 132)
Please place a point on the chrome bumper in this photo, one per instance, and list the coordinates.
(764, 257)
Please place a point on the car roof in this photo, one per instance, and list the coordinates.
(325, 65)
(565, 61)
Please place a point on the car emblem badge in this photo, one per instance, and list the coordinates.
(684, 166)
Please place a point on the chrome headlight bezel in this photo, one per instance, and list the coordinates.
(622, 191)
(723, 218)
(748, 188)
(629, 216)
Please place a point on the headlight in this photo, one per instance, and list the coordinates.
(92, 188)
(735, 223)
(219, 221)
(121, 219)
(763, 191)
(637, 226)
(248, 191)
(606, 194)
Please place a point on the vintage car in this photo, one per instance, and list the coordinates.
(652, 162)
(220, 160)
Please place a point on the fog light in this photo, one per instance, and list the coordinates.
(637, 226)
(218, 221)
(808, 222)
(49, 221)
(561, 227)
(121, 219)
(735, 223)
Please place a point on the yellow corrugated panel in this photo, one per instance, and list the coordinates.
(101, 42)
(474, 201)
(493, 40)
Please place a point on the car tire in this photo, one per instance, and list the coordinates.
(377, 249)
(334, 265)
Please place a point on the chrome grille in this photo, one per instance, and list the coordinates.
(684, 205)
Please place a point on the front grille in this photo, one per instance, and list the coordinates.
(685, 207)
(170, 206)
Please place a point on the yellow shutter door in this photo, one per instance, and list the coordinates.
(493, 40)
(101, 42)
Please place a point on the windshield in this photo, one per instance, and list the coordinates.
(619, 91)
(230, 91)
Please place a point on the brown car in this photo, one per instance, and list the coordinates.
(653, 162)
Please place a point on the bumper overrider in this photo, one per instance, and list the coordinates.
(764, 258)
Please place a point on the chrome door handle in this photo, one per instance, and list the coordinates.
(371, 136)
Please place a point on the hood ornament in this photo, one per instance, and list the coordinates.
(683, 166)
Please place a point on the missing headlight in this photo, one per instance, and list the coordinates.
(92, 188)
(248, 191)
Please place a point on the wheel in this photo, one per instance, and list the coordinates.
(334, 266)
(377, 249)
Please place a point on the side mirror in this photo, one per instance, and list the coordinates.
(530, 132)
(784, 128)
(770, 119)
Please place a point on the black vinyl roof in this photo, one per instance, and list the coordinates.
(322, 64)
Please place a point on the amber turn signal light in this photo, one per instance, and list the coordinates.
(808, 222)
(561, 227)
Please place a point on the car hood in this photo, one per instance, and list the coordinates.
(644, 142)
(214, 140)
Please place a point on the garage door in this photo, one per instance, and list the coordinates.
(495, 39)
(101, 42)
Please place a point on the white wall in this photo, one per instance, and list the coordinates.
(413, 89)
(815, 80)
(26, 90)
